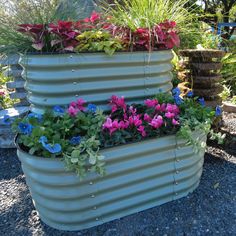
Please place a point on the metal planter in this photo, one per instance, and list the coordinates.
(139, 176)
(59, 79)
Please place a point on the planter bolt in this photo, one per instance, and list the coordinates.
(177, 160)
(176, 193)
(177, 172)
(90, 183)
(74, 82)
(95, 208)
(92, 196)
(71, 56)
(176, 183)
(97, 219)
(72, 70)
(77, 95)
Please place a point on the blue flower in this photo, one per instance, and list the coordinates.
(201, 101)
(218, 111)
(190, 94)
(92, 107)
(7, 120)
(176, 91)
(75, 140)
(52, 148)
(43, 139)
(25, 128)
(39, 117)
(58, 109)
(178, 99)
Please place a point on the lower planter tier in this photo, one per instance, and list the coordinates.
(139, 176)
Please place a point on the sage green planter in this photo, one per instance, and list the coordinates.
(61, 78)
(139, 176)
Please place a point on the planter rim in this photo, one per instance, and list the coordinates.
(90, 53)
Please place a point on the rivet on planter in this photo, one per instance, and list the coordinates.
(71, 56)
(177, 172)
(92, 196)
(74, 82)
(91, 183)
(72, 70)
(176, 183)
(178, 160)
(95, 208)
(77, 95)
(176, 193)
(97, 219)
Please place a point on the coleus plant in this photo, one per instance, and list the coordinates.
(85, 35)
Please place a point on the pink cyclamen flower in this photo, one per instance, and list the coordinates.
(123, 124)
(151, 102)
(172, 108)
(158, 107)
(147, 117)
(112, 126)
(73, 104)
(132, 110)
(141, 129)
(163, 107)
(107, 124)
(175, 122)
(80, 104)
(156, 122)
(117, 103)
(72, 111)
(169, 115)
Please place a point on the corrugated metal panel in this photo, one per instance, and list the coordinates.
(139, 176)
(59, 79)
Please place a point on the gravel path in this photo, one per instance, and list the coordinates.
(209, 210)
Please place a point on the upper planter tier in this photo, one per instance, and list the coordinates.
(59, 79)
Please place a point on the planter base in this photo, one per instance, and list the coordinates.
(139, 176)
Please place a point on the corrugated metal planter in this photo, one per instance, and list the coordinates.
(139, 176)
(59, 79)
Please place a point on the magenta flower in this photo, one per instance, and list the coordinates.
(158, 107)
(117, 103)
(147, 117)
(175, 122)
(73, 104)
(107, 124)
(169, 115)
(112, 126)
(123, 124)
(80, 104)
(163, 107)
(141, 129)
(151, 102)
(156, 122)
(132, 110)
(172, 108)
(72, 111)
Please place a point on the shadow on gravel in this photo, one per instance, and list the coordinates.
(10, 165)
